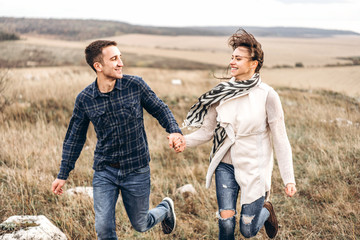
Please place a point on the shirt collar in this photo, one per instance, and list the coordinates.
(118, 84)
(96, 92)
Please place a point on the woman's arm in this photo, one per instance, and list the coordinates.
(206, 131)
(281, 142)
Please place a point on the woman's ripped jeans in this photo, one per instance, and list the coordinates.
(252, 216)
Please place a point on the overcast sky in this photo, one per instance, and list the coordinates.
(327, 14)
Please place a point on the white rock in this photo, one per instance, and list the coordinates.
(339, 122)
(31, 227)
(81, 190)
(186, 188)
(342, 121)
(176, 82)
(290, 103)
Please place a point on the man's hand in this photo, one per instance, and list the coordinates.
(290, 189)
(177, 142)
(57, 185)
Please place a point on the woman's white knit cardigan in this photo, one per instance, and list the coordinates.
(254, 125)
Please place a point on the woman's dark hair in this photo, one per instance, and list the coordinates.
(241, 38)
(93, 52)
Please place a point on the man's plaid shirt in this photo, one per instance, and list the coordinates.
(118, 122)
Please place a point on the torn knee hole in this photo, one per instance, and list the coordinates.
(247, 219)
(227, 214)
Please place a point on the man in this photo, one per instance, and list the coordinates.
(114, 104)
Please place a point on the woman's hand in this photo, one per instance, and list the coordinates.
(290, 189)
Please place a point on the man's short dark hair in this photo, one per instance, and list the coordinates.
(244, 39)
(93, 52)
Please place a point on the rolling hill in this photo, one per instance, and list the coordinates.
(76, 29)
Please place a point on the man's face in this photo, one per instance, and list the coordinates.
(111, 66)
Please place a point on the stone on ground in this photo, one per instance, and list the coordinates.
(30, 227)
(81, 190)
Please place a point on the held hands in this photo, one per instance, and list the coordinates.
(177, 142)
(290, 189)
(57, 185)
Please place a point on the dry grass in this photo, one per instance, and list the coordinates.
(33, 125)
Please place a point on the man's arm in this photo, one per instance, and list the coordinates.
(74, 141)
(159, 110)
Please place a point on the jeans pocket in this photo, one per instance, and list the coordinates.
(98, 178)
(143, 169)
(107, 174)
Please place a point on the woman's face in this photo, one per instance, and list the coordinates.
(242, 67)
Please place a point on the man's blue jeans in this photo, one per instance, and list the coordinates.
(253, 215)
(135, 192)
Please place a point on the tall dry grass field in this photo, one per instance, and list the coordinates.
(323, 127)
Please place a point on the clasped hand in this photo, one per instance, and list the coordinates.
(177, 142)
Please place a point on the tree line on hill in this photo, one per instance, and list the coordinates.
(76, 29)
(5, 36)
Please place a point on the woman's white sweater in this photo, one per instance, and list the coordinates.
(255, 125)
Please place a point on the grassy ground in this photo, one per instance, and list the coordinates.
(326, 151)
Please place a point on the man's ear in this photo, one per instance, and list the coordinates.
(98, 66)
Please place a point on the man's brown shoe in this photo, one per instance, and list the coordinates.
(271, 224)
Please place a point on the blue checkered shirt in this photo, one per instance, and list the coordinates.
(118, 122)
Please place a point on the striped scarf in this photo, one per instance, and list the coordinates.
(223, 91)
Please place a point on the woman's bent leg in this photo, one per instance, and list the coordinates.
(252, 218)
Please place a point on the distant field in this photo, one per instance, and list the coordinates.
(339, 79)
(214, 50)
(195, 52)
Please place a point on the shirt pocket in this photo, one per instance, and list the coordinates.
(126, 113)
(99, 119)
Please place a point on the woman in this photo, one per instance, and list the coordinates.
(244, 116)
